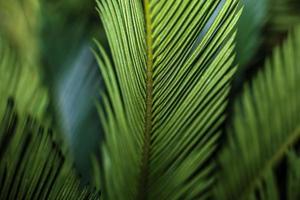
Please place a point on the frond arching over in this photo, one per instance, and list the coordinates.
(266, 123)
(166, 93)
(31, 165)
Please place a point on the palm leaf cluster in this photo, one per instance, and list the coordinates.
(168, 132)
(32, 165)
(265, 126)
(53, 41)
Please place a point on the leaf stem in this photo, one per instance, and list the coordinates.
(278, 155)
(142, 190)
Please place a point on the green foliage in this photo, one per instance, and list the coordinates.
(60, 19)
(284, 14)
(288, 188)
(31, 165)
(72, 74)
(261, 26)
(19, 79)
(250, 25)
(166, 95)
(19, 25)
(47, 38)
(167, 76)
(265, 125)
(293, 176)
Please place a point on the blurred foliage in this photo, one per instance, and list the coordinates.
(32, 165)
(51, 36)
(66, 31)
(264, 24)
(65, 26)
(49, 40)
(250, 27)
(265, 125)
(20, 26)
(285, 14)
(20, 81)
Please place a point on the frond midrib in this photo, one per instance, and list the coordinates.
(143, 181)
(278, 155)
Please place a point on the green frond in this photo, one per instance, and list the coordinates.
(265, 123)
(167, 89)
(270, 187)
(20, 81)
(286, 186)
(266, 189)
(31, 165)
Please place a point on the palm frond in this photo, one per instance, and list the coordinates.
(32, 166)
(279, 186)
(166, 93)
(274, 186)
(265, 124)
(21, 81)
(267, 189)
(293, 176)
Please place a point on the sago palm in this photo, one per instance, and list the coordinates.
(167, 131)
